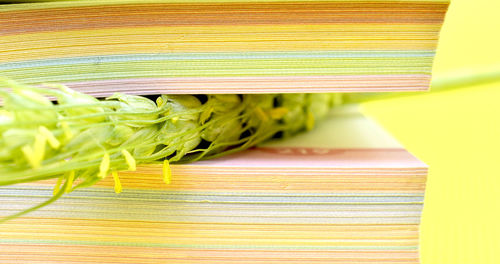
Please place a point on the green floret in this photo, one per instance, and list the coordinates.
(81, 140)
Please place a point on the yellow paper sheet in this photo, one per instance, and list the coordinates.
(457, 133)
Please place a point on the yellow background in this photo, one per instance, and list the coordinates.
(457, 132)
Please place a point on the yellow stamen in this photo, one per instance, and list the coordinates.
(35, 155)
(53, 142)
(69, 181)
(58, 185)
(278, 112)
(160, 101)
(310, 121)
(118, 184)
(129, 159)
(167, 172)
(104, 167)
(39, 147)
(260, 113)
(67, 131)
(29, 154)
(175, 119)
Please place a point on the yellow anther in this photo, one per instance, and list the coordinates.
(69, 181)
(260, 114)
(104, 167)
(278, 113)
(58, 185)
(53, 142)
(118, 184)
(167, 172)
(39, 148)
(175, 119)
(29, 154)
(129, 159)
(35, 154)
(160, 101)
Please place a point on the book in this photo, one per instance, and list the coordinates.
(346, 192)
(216, 46)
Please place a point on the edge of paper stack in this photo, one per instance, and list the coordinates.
(346, 192)
(211, 46)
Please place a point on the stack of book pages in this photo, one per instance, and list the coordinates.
(222, 46)
(344, 193)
